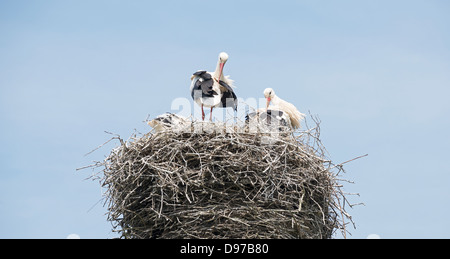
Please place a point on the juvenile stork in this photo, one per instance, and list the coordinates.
(271, 119)
(288, 108)
(213, 89)
(168, 120)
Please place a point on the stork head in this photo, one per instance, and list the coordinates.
(223, 57)
(269, 93)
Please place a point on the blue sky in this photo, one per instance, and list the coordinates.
(375, 72)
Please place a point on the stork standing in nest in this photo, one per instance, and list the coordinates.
(213, 89)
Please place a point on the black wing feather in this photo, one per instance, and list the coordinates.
(205, 85)
(270, 117)
(222, 83)
(229, 98)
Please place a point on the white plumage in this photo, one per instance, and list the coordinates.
(213, 89)
(271, 120)
(279, 104)
(169, 120)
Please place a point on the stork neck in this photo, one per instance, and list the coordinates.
(217, 72)
(275, 100)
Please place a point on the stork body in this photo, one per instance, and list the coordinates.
(270, 118)
(279, 104)
(168, 120)
(213, 89)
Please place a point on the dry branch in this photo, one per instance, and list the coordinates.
(223, 184)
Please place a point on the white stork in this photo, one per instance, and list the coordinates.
(213, 89)
(168, 120)
(271, 118)
(281, 105)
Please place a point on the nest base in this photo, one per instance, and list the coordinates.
(222, 185)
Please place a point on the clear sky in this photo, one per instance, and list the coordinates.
(377, 73)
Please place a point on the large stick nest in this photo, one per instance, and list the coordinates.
(223, 183)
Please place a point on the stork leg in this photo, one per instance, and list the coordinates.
(203, 114)
(210, 115)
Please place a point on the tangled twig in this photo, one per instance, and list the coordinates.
(224, 184)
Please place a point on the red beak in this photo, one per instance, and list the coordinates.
(221, 70)
(267, 103)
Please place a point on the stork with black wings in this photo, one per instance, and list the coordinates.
(213, 89)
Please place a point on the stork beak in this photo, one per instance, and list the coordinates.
(267, 103)
(221, 70)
